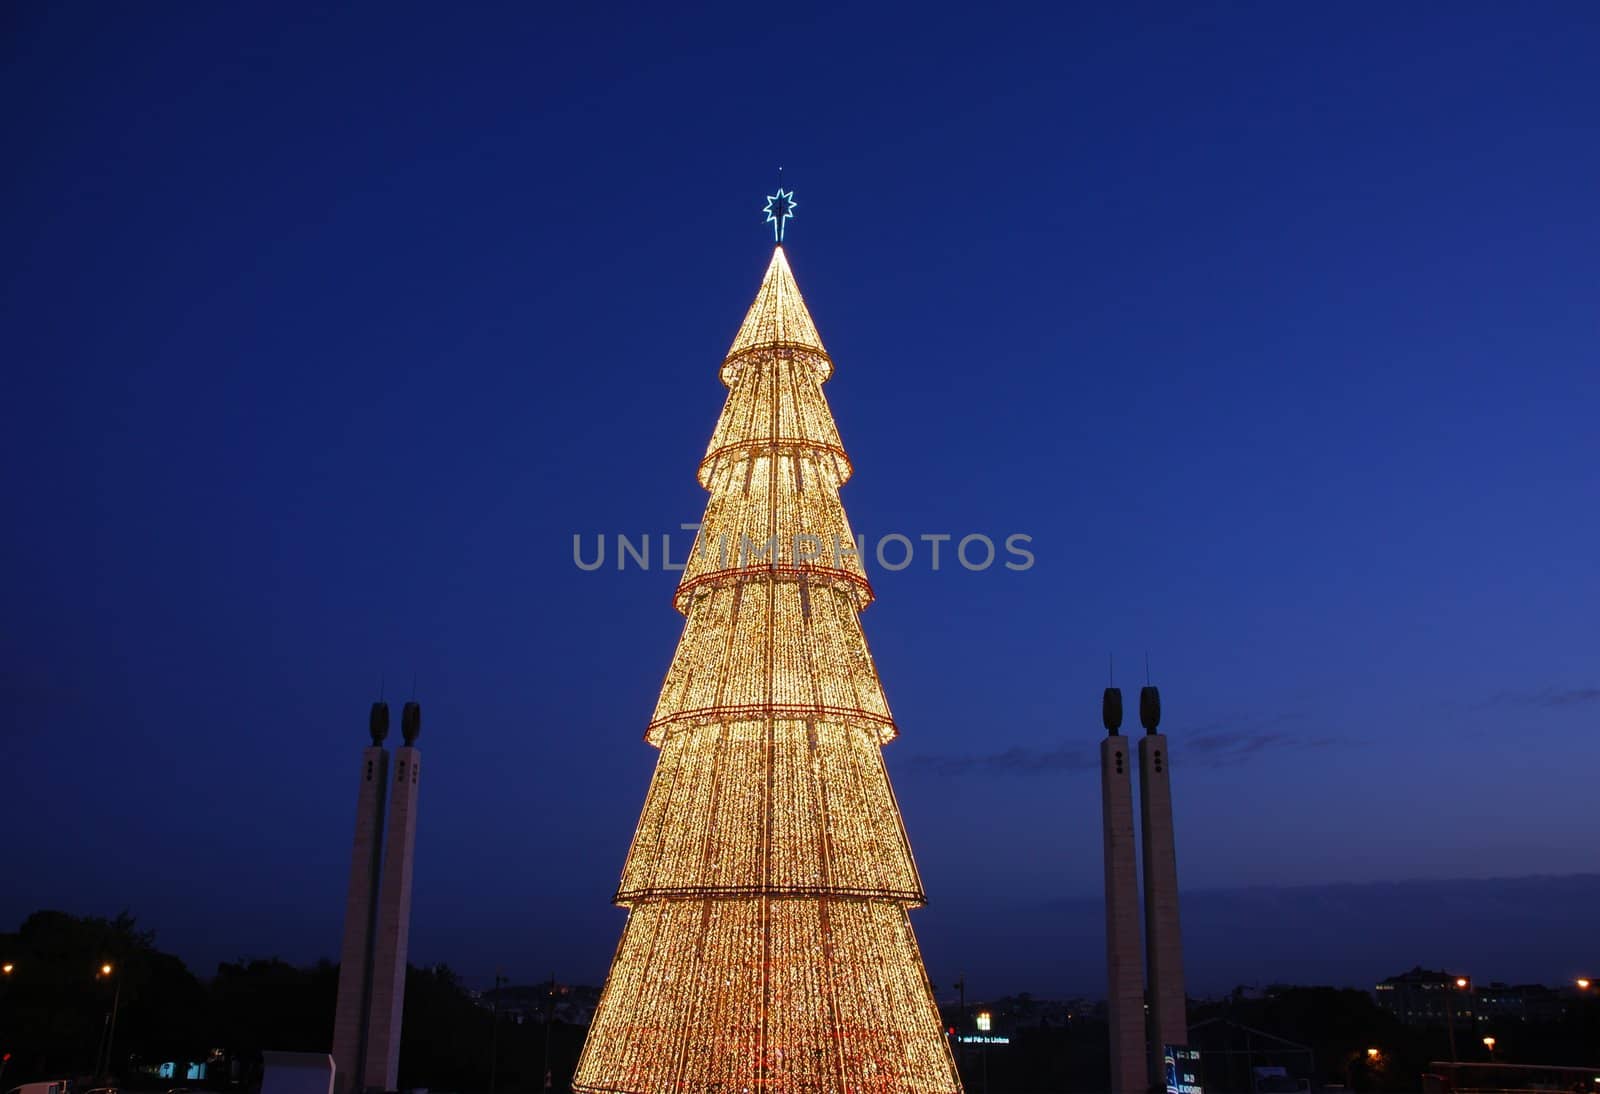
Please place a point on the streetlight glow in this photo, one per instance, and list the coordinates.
(7, 967)
(1461, 981)
(1583, 983)
(106, 969)
(1488, 1043)
(1372, 1054)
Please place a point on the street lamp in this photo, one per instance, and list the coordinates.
(549, 1017)
(1372, 1054)
(1488, 1043)
(1583, 982)
(7, 968)
(109, 971)
(1461, 983)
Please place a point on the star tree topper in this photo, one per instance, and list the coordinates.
(780, 207)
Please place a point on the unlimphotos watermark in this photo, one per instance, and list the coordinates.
(893, 552)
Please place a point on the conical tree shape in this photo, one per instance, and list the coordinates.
(767, 946)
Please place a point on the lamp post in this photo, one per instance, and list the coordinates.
(549, 1016)
(110, 972)
(494, 1030)
(1460, 983)
(1489, 1043)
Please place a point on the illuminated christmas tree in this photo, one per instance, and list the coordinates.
(767, 946)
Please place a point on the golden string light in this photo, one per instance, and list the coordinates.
(768, 946)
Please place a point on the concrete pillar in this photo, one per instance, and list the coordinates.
(394, 923)
(360, 917)
(1169, 1023)
(1124, 963)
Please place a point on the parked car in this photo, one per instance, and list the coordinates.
(50, 1086)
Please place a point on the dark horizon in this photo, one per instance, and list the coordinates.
(1460, 925)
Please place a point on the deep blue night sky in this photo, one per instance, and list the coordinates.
(324, 331)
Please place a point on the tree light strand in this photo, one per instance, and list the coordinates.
(767, 946)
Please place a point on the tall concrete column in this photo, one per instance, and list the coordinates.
(1124, 963)
(1163, 939)
(382, 1066)
(361, 909)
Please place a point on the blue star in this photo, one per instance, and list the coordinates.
(780, 207)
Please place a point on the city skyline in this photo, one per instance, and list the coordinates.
(1057, 946)
(1273, 334)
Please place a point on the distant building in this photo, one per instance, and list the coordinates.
(1531, 1003)
(1013, 1013)
(1421, 998)
(570, 1003)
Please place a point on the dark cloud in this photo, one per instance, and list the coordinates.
(1013, 761)
(1235, 742)
(1216, 744)
(1573, 697)
(1211, 745)
(1224, 746)
(1549, 697)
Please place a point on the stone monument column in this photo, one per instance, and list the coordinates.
(394, 911)
(1169, 1023)
(1124, 962)
(361, 909)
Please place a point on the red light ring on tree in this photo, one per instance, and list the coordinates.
(787, 445)
(738, 575)
(806, 712)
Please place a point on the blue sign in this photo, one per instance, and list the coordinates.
(1183, 1069)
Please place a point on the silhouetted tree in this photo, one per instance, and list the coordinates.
(55, 1007)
